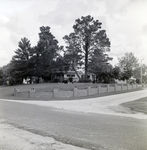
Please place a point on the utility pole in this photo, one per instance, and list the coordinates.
(141, 72)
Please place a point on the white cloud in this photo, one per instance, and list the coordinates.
(4, 19)
(125, 22)
(5, 47)
(125, 29)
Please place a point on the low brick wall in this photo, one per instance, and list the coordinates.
(103, 89)
(29, 93)
(60, 93)
(94, 90)
(124, 87)
(111, 88)
(81, 92)
(43, 95)
(118, 87)
(76, 92)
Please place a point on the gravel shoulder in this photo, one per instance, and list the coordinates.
(12, 138)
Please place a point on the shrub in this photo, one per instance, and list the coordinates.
(56, 80)
(85, 81)
(65, 81)
(1, 81)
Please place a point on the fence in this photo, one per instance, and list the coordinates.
(75, 92)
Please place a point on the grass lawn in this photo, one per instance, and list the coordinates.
(138, 105)
(8, 91)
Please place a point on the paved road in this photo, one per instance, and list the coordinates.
(93, 131)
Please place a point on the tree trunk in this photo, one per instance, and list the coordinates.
(86, 59)
(76, 72)
(86, 65)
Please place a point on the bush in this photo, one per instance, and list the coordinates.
(1, 81)
(85, 81)
(56, 80)
(15, 81)
(70, 79)
(65, 81)
(94, 81)
(109, 80)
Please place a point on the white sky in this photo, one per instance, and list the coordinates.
(124, 21)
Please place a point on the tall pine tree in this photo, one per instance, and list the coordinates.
(89, 39)
(21, 62)
(45, 53)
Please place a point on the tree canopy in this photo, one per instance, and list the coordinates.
(128, 65)
(20, 63)
(86, 48)
(35, 61)
(87, 40)
(45, 53)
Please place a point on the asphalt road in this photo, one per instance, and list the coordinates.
(91, 131)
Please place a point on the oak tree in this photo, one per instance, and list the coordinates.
(128, 65)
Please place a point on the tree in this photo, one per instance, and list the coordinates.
(104, 73)
(137, 73)
(45, 53)
(116, 72)
(99, 63)
(90, 39)
(73, 50)
(1, 76)
(72, 54)
(128, 65)
(21, 62)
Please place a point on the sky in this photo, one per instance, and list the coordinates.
(124, 21)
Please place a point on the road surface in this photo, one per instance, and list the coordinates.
(86, 130)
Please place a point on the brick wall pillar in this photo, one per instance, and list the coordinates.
(31, 92)
(108, 88)
(98, 89)
(121, 87)
(16, 91)
(88, 90)
(55, 92)
(75, 92)
(115, 87)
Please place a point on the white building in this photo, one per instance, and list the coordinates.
(71, 75)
